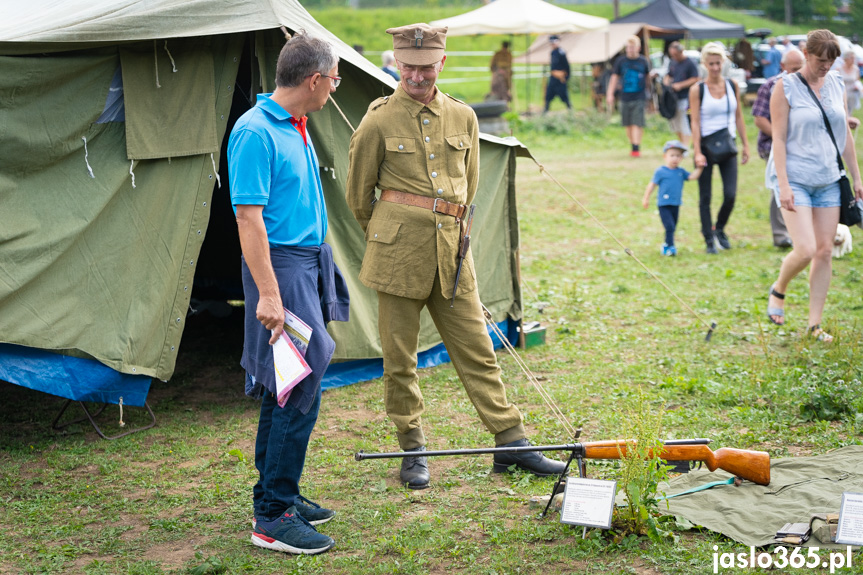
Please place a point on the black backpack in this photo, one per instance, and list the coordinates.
(667, 103)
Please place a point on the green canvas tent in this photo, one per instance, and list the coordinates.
(114, 116)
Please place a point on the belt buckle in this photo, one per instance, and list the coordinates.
(434, 206)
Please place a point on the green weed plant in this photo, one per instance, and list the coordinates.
(641, 470)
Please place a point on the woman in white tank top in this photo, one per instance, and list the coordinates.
(715, 106)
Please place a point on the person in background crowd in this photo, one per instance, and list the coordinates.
(717, 109)
(803, 172)
(682, 74)
(669, 178)
(792, 60)
(770, 61)
(851, 78)
(630, 74)
(558, 81)
(389, 64)
(501, 73)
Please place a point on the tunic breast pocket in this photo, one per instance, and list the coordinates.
(457, 147)
(401, 154)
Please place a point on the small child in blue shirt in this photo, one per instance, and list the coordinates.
(669, 178)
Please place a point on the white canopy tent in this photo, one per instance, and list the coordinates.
(589, 47)
(513, 17)
(520, 17)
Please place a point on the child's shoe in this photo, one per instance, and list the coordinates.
(672, 251)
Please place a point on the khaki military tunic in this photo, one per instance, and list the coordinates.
(412, 254)
(430, 150)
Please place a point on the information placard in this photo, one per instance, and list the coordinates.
(850, 529)
(588, 502)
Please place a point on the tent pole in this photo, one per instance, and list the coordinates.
(527, 75)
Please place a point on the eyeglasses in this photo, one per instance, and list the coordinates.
(336, 79)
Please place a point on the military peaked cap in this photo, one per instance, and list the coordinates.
(418, 44)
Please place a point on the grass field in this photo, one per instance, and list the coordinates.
(177, 498)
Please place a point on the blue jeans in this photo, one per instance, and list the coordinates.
(668, 215)
(280, 453)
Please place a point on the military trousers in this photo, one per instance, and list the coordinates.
(469, 346)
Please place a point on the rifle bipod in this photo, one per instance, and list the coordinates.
(560, 484)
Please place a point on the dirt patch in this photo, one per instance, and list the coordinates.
(173, 554)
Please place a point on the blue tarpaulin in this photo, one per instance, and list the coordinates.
(74, 378)
(82, 379)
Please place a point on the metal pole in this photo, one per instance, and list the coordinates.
(527, 75)
(360, 456)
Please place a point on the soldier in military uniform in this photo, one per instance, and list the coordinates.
(420, 147)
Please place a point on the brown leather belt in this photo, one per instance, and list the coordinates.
(437, 205)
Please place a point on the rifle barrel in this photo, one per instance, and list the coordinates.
(360, 456)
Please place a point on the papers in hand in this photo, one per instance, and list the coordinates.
(289, 352)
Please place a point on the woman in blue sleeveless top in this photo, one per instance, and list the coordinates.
(803, 171)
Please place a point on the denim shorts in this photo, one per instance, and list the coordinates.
(813, 196)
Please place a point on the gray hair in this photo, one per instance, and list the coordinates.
(675, 46)
(301, 57)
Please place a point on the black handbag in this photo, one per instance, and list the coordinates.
(719, 146)
(849, 211)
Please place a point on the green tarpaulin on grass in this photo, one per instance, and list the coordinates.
(751, 514)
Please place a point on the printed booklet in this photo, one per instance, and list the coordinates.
(289, 352)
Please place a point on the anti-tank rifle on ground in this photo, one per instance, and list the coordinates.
(746, 464)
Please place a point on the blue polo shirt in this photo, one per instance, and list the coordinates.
(270, 165)
(774, 59)
(670, 184)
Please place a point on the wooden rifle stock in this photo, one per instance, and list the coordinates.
(743, 463)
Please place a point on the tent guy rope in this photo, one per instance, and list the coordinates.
(546, 397)
(710, 325)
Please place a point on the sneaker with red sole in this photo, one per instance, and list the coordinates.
(290, 533)
(635, 153)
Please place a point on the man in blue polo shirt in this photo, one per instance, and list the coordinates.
(770, 63)
(282, 221)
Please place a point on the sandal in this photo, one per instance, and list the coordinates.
(775, 311)
(819, 334)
